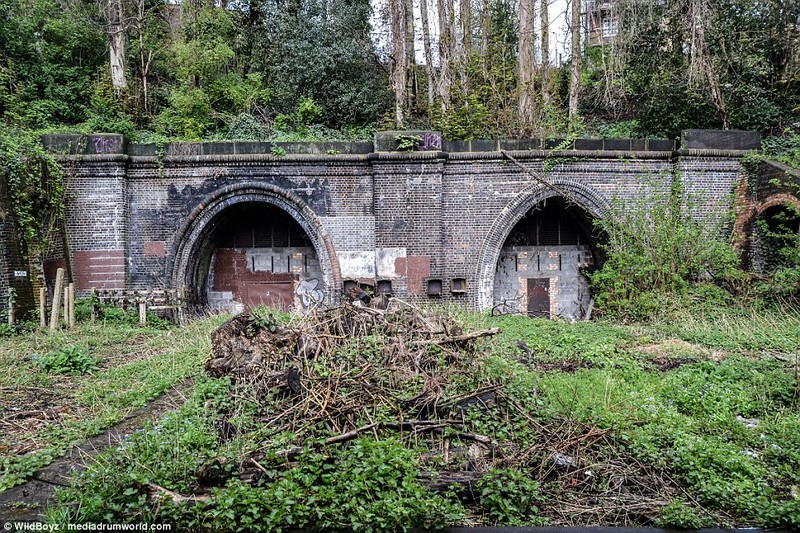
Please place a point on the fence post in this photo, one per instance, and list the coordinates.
(66, 305)
(56, 299)
(93, 302)
(71, 321)
(11, 299)
(43, 307)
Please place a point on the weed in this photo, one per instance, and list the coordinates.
(509, 498)
(71, 360)
(407, 143)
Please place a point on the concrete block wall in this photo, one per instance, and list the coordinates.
(569, 289)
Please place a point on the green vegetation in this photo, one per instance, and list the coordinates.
(243, 71)
(62, 406)
(71, 360)
(683, 423)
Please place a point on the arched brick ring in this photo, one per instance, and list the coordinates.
(588, 199)
(184, 250)
(744, 222)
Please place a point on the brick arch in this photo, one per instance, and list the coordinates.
(586, 197)
(743, 225)
(193, 233)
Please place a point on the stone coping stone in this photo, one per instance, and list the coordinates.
(78, 144)
(250, 148)
(720, 140)
(386, 141)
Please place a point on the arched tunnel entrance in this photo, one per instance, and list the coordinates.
(254, 253)
(774, 239)
(541, 270)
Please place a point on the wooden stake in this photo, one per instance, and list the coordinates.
(10, 307)
(56, 299)
(42, 307)
(66, 305)
(94, 307)
(142, 313)
(71, 321)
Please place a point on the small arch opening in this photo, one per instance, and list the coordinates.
(775, 239)
(543, 264)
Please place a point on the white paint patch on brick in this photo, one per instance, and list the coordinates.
(385, 261)
(356, 264)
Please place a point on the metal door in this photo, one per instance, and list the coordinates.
(539, 297)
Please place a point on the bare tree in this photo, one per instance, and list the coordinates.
(113, 15)
(446, 45)
(465, 45)
(544, 18)
(700, 65)
(430, 72)
(411, 76)
(145, 56)
(575, 77)
(397, 15)
(527, 63)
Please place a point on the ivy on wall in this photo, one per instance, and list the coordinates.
(33, 182)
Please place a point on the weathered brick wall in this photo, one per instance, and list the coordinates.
(163, 196)
(11, 260)
(139, 218)
(4, 271)
(96, 222)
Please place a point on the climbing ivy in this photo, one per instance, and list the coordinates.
(34, 184)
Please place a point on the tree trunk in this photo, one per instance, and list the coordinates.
(465, 51)
(575, 78)
(399, 55)
(114, 16)
(445, 10)
(544, 18)
(411, 73)
(485, 27)
(426, 44)
(527, 62)
(701, 64)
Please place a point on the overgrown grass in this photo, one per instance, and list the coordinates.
(135, 366)
(708, 403)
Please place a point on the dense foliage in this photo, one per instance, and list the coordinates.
(200, 70)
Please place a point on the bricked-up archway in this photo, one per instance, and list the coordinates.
(542, 267)
(775, 225)
(582, 198)
(214, 224)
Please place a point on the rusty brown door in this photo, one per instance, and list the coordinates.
(278, 295)
(539, 297)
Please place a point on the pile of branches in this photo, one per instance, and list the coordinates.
(353, 371)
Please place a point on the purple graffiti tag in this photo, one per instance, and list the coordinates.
(105, 145)
(430, 141)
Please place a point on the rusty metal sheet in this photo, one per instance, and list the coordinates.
(539, 297)
(278, 295)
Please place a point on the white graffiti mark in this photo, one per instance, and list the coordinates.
(309, 292)
(105, 145)
(430, 141)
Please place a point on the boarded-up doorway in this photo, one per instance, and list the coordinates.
(539, 297)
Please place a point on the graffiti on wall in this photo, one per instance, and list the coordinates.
(310, 293)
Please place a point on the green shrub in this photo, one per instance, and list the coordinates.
(680, 515)
(72, 360)
(509, 498)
